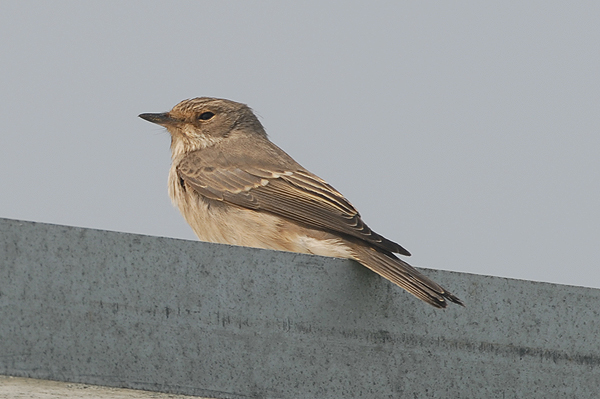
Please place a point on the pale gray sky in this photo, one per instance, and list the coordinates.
(468, 132)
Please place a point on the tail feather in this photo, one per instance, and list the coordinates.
(405, 276)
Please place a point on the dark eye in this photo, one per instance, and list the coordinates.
(206, 116)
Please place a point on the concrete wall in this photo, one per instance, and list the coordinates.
(180, 316)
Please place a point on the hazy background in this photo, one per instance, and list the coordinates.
(469, 132)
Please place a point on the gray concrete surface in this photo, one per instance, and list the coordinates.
(168, 315)
(29, 388)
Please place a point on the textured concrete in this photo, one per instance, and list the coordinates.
(179, 316)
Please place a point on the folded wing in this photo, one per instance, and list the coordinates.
(295, 194)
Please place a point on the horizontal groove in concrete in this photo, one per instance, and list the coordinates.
(187, 317)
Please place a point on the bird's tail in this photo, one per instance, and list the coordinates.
(405, 276)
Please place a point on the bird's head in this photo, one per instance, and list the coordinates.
(202, 122)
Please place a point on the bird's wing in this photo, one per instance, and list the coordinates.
(293, 193)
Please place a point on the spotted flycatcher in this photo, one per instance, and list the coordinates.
(234, 186)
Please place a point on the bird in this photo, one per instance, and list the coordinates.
(234, 186)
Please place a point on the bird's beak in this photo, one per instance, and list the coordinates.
(163, 119)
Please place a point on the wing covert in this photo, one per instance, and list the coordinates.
(297, 195)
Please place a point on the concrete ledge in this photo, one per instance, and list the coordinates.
(185, 317)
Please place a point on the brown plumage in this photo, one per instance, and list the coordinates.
(234, 186)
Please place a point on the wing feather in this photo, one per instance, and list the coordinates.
(294, 194)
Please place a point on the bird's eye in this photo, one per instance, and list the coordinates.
(206, 116)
